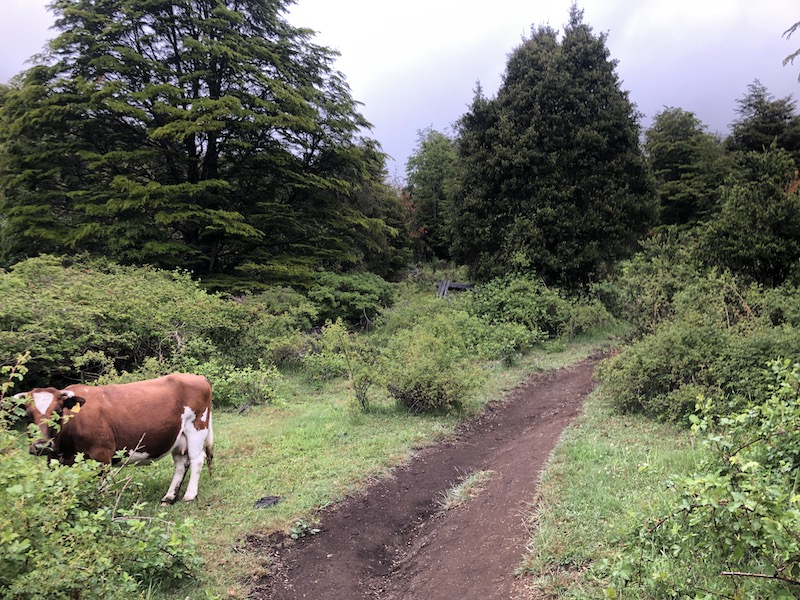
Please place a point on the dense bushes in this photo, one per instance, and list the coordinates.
(66, 313)
(428, 367)
(734, 529)
(718, 341)
(65, 534)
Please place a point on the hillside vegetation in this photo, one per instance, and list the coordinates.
(190, 186)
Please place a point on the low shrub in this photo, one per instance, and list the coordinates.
(353, 297)
(61, 310)
(339, 352)
(718, 341)
(522, 299)
(232, 387)
(427, 368)
(274, 328)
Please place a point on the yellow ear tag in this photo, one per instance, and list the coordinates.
(76, 409)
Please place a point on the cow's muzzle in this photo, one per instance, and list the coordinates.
(41, 448)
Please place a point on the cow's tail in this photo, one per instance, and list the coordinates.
(209, 447)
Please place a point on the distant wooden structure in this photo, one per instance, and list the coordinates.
(443, 287)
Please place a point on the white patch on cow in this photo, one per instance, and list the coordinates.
(204, 418)
(142, 458)
(42, 401)
(190, 441)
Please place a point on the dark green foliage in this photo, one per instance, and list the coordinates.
(689, 166)
(355, 297)
(206, 134)
(764, 121)
(552, 179)
(431, 172)
(755, 233)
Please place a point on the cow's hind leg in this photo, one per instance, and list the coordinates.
(181, 462)
(196, 448)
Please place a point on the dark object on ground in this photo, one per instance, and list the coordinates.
(266, 501)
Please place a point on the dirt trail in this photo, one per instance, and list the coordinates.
(391, 542)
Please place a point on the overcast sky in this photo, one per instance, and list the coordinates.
(414, 64)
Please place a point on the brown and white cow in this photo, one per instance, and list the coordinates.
(146, 419)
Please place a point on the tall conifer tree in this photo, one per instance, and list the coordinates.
(553, 179)
(207, 134)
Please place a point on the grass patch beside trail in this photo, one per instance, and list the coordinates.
(468, 488)
(311, 449)
(605, 477)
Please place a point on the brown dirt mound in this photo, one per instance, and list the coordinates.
(393, 542)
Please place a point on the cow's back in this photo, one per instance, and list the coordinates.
(147, 415)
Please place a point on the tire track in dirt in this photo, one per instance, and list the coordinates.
(391, 542)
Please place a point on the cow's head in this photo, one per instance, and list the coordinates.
(49, 409)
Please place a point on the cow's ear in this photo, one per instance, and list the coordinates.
(70, 400)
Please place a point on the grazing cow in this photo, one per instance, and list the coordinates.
(146, 419)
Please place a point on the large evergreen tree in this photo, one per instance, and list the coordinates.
(763, 121)
(207, 134)
(553, 179)
(689, 165)
(430, 175)
(755, 234)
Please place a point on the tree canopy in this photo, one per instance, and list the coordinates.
(206, 134)
(689, 166)
(764, 120)
(552, 176)
(431, 172)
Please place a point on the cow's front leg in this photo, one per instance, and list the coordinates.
(181, 462)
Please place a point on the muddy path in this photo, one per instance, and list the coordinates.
(393, 542)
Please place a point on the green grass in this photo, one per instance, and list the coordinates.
(468, 488)
(312, 448)
(605, 478)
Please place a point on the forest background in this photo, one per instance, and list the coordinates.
(190, 186)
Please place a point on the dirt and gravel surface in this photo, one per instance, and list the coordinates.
(394, 542)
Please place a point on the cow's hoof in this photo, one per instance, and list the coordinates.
(167, 501)
(192, 499)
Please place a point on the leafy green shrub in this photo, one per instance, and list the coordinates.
(353, 297)
(241, 387)
(232, 387)
(644, 290)
(521, 299)
(65, 533)
(717, 342)
(494, 341)
(427, 368)
(338, 352)
(62, 311)
(586, 315)
(274, 330)
(733, 530)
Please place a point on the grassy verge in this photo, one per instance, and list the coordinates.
(606, 476)
(311, 449)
